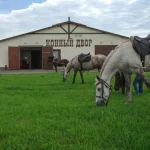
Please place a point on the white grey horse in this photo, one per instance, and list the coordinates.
(96, 62)
(124, 59)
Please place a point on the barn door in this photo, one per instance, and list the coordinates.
(46, 52)
(104, 49)
(14, 57)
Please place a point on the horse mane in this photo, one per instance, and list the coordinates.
(106, 60)
(131, 38)
(69, 66)
(110, 55)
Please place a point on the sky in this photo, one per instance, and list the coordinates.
(124, 17)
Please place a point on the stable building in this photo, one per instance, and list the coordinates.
(64, 41)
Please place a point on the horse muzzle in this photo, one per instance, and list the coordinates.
(101, 104)
(64, 80)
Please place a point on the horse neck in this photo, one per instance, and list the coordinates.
(106, 60)
(109, 71)
(68, 67)
(55, 60)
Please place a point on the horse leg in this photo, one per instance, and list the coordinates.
(81, 75)
(128, 87)
(123, 81)
(74, 77)
(142, 75)
(123, 89)
(56, 68)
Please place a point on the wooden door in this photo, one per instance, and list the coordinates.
(14, 57)
(104, 49)
(46, 52)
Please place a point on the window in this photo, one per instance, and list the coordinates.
(56, 53)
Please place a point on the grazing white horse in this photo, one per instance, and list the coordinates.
(124, 59)
(95, 62)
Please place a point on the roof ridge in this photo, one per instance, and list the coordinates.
(59, 24)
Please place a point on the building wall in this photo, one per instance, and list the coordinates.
(66, 52)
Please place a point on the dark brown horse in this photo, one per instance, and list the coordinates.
(119, 82)
(59, 63)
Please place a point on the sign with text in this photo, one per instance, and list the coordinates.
(69, 42)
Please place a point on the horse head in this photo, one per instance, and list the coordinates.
(50, 59)
(103, 91)
(64, 75)
(55, 59)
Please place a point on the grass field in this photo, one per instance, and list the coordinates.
(39, 112)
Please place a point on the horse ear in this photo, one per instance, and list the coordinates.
(98, 78)
(95, 81)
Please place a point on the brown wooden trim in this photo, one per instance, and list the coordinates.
(63, 28)
(69, 29)
(46, 52)
(22, 46)
(70, 33)
(14, 57)
(57, 25)
(74, 28)
(60, 54)
(66, 22)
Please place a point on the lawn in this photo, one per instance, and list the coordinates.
(39, 112)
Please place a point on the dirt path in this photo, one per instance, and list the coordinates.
(26, 71)
(33, 71)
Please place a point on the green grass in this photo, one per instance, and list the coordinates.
(39, 112)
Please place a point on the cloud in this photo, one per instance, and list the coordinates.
(131, 2)
(118, 16)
